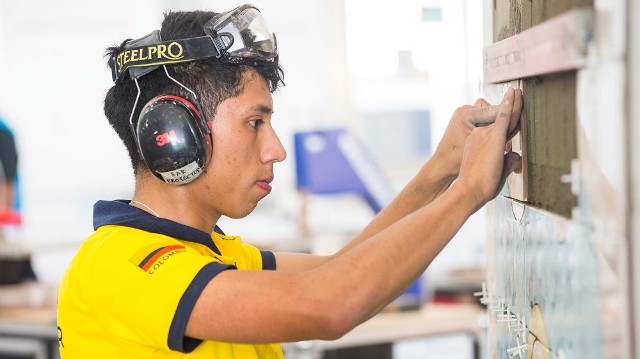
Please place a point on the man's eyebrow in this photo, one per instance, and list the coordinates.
(262, 108)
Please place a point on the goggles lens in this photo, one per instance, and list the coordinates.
(244, 34)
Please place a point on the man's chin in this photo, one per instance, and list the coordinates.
(238, 213)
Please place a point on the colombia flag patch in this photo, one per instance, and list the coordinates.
(151, 256)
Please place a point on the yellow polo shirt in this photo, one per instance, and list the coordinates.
(131, 287)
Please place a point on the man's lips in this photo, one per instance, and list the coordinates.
(265, 184)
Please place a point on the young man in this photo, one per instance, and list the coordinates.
(158, 278)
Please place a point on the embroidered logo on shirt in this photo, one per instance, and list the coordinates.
(151, 258)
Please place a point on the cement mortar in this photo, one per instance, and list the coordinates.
(510, 17)
(550, 109)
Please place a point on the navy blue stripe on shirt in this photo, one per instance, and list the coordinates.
(268, 260)
(177, 339)
(120, 213)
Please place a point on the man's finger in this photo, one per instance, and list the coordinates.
(481, 103)
(518, 104)
(513, 132)
(486, 115)
(503, 118)
(512, 163)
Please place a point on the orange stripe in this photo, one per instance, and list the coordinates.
(139, 257)
(159, 254)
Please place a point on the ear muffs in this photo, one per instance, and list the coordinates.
(173, 139)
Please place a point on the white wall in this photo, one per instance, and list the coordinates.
(447, 73)
(54, 79)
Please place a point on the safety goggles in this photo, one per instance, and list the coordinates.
(237, 36)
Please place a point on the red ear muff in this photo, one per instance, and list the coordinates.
(171, 139)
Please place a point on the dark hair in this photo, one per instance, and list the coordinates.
(212, 80)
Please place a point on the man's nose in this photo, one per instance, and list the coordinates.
(273, 151)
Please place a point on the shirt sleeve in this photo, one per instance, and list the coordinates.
(258, 259)
(268, 260)
(149, 292)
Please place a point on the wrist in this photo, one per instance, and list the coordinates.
(443, 165)
(467, 196)
(440, 171)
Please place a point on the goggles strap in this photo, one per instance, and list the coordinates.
(149, 57)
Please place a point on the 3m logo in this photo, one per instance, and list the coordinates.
(151, 258)
(167, 137)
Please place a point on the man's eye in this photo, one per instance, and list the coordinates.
(255, 123)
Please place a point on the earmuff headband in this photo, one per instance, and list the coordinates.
(178, 98)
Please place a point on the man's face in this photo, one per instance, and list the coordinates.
(245, 147)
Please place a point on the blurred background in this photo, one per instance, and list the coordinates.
(388, 74)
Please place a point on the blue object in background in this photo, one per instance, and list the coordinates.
(16, 180)
(334, 161)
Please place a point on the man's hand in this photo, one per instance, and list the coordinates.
(485, 167)
(464, 120)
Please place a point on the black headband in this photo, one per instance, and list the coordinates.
(146, 58)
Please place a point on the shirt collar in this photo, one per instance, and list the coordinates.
(120, 213)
